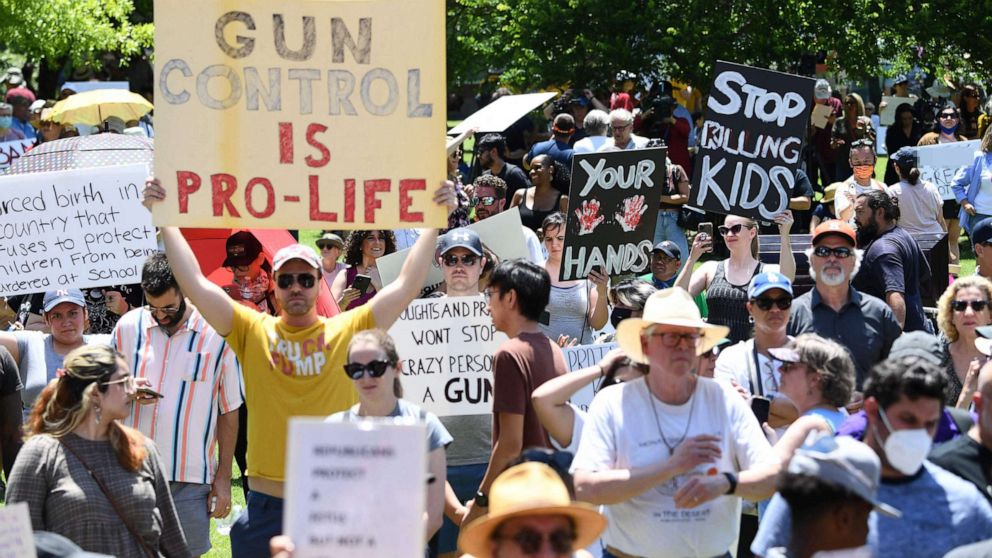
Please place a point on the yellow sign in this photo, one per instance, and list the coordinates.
(306, 114)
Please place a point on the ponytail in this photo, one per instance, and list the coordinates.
(913, 176)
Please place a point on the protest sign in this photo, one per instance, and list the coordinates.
(821, 115)
(939, 163)
(16, 537)
(11, 150)
(500, 114)
(79, 228)
(612, 210)
(752, 140)
(356, 490)
(502, 234)
(324, 115)
(888, 115)
(447, 346)
(584, 356)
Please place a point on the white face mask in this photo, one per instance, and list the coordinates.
(905, 449)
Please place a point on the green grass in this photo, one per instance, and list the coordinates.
(221, 544)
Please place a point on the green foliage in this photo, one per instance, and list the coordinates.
(74, 30)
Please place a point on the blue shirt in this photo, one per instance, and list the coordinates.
(25, 128)
(940, 511)
(558, 150)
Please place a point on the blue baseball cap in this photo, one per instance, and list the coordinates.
(54, 298)
(906, 157)
(767, 281)
(982, 231)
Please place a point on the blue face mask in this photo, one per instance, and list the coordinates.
(949, 131)
(6, 121)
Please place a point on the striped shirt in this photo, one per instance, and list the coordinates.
(200, 378)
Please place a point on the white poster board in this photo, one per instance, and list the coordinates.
(84, 86)
(11, 150)
(939, 163)
(584, 356)
(356, 490)
(821, 115)
(446, 346)
(888, 114)
(16, 537)
(501, 233)
(502, 113)
(80, 228)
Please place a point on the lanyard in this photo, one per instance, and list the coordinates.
(756, 374)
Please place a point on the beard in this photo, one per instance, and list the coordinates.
(867, 233)
(172, 321)
(829, 277)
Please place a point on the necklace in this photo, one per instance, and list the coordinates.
(657, 422)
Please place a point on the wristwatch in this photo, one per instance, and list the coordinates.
(482, 501)
(732, 479)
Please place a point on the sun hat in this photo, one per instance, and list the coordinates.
(530, 489)
(674, 307)
(830, 191)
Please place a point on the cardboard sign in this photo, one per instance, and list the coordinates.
(356, 490)
(11, 150)
(447, 346)
(612, 210)
(939, 163)
(311, 114)
(752, 141)
(821, 115)
(584, 356)
(888, 115)
(79, 228)
(84, 86)
(502, 113)
(501, 233)
(16, 536)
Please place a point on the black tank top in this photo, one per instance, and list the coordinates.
(532, 218)
(726, 301)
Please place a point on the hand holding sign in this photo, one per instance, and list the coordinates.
(630, 212)
(589, 217)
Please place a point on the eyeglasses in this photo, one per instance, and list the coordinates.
(327, 246)
(484, 200)
(286, 280)
(128, 382)
(948, 116)
(531, 541)
(621, 127)
(736, 229)
(671, 339)
(238, 268)
(765, 303)
(620, 314)
(357, 370)
(451, 260)
(963, 305)
(841, 252)
(167, 310)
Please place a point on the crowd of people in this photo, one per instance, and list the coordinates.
(738, 410)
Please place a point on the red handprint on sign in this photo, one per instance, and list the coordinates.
(589, 217)
(630, 212)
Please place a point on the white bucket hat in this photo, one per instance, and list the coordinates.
(669, 307)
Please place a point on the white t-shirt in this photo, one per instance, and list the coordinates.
(534, 247)
(621, 433)
(590, 144)
(737, 363)
(920, 206)
(840, 200)
(636, 142)
(983, 201)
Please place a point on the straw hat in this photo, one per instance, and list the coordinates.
(670, 307)
(529, 489)
(830, 191)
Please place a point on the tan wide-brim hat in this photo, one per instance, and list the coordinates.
(529, 489)
(674, 307)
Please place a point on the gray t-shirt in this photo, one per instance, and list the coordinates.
(38, 361)
(473, 436)
(437, 436)
(940, 511)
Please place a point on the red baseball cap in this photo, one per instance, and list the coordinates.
(837, 227)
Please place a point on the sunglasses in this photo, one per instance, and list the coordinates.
(485, 200)
(671, 339)
(620, 314)
(948, 116)
(128, 382)
(736, 229)
(167, 310)
(765, 303)
(531, 541)
(286, 280)
(841, 252)
(451, 260)
(357, 370)
(963, 305)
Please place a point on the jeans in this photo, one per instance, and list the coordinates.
(465, 481)
(667, 228)
(261, 521)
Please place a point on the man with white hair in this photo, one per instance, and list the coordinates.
(622, 125)
(595, 124)
(836, 310)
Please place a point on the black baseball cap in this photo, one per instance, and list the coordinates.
(460, 238)
(669, 248)
(242, 249)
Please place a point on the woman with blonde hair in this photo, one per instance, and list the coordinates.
(83, 474)
(962, 309)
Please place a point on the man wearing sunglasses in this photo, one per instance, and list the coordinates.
(836, 310)
(292, 361)
(489, 198)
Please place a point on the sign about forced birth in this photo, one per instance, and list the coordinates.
(939, 163)
(309, 114)
(79, 228)
(752, 141)
(356, 490)
(446, 346)
(612, 210)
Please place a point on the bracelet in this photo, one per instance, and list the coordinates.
(732, 479)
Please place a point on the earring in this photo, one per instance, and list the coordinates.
(750, 320)
(96, 411)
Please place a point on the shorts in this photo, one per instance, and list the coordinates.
(192, 508)
(951, 209)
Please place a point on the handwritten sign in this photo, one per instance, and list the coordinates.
(584, 356)
(356, 490)
(79, 228)
(276, 114)
(752, 141)
(613, 208)
(11, 150)
(821, 115)
(888, 115)
(16, 537)
(446, 346)
(939, 163)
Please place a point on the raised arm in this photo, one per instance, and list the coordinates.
(786, 259)
(211, 301)
(696, 281)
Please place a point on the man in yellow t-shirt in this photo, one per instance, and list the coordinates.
(292, 363)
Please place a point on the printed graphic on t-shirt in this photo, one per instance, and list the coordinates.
(297, 358)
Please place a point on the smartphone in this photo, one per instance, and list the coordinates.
(361, 283)
(148, 393)
(706, 228)
(545, 318)
(761, 406)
